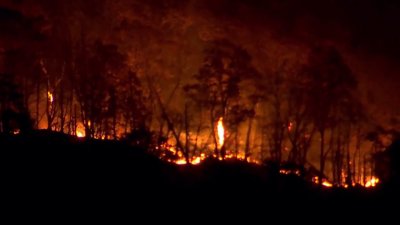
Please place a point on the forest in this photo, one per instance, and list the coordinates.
(185, 82)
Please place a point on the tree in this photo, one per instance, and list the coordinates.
(95, 87)
(14, 116)
(329, 81)
(299, 128)
(217, 84)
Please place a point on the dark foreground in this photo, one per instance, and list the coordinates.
(55, 172)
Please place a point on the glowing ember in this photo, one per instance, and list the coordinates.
(50, 97)
(16, 131)
(221, 132)
(372, 182)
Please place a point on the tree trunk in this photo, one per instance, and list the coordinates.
(236, 141)
(37, 102)
(62, 108)
(216, 152)
(322, 156)
(186, 153)
(48, 109)
(247, 148)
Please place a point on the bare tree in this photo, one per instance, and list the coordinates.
(217, 87)
(329, 80)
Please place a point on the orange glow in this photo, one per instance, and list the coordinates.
(290, 126)
(325, 182)
(80, 134)
(287, 172)
(196, 161)
(240, 155)
(372, 182)
(221, 132)
(50, 97)
(80, 131)
(181, 161)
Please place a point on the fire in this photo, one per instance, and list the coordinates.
(50, 97)
(221, 132)
(325, 182)
(80, 134)
(181, 161)
(240, 155)
(372, 182)
(287, 172)
(80, 131)
(196, 160)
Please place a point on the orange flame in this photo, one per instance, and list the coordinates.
(221, 132)
(50, 97)
(80, 131)
(325, 182)
(372, 182)
(80, 134)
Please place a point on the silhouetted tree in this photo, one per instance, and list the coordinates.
(329, 82)
(299, 127)
(97, 71)
(217, 85)
(13, 113)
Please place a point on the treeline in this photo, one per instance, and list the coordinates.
(95, 70)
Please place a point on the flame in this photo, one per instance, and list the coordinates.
(181, 161)
(80, 134)
(171, 154)
(325, 182)
(372, 182)
(240, 155)
(50, 97)
(80, 131)
(196, 161)
(221, 132)
(287, 172)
